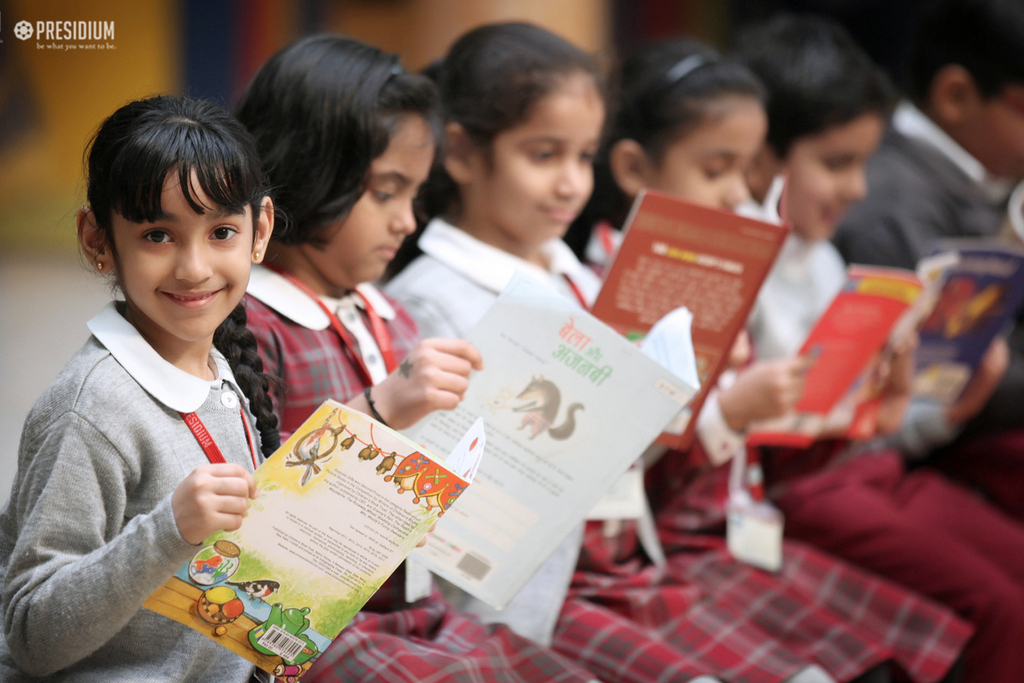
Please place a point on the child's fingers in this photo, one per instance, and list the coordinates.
(224, 471)
(801, 365)
(459, 348)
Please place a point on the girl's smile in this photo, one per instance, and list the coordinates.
(192, 299)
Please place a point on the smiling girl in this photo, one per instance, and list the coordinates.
(114, 489)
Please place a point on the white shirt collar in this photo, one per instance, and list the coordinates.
(172, 386)
(492, 268)
(281, 295)
(915, 124)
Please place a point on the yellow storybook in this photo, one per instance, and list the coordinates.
(339, 506)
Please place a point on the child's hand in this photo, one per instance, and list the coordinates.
(764, 390)
(212, 498)
(434, 376)
(741, 351)
(895, 377)
(984, 382)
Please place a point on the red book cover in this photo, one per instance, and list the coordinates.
(674, 254)
(841, 393)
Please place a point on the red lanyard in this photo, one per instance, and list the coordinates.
(378, 329)
(577, 292)
(207, 443)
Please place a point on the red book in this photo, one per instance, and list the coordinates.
(674, 254)
(848, 344)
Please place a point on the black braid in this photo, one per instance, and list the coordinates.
(238, 345)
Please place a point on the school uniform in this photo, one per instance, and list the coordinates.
(626, 620)
(89, 532)
(389, 639)
(916, 528)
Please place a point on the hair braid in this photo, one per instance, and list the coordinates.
(238, 344)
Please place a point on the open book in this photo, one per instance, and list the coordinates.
(339, 506)
(677, 254)
(568, 404)
(981, 293)
(848, 346)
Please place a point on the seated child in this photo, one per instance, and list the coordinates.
(944, 170)
(512, 185)
(827, 109)
(114, 490)
(347, 138)
(689, 124)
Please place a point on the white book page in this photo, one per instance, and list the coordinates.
(568, 405)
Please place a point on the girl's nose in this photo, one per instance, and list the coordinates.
(856, 186)
(575, 179)
(192, 264)
(736, 192)
(404, 221)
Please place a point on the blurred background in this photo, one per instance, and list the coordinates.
(51, 100)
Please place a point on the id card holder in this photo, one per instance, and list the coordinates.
(753, 531)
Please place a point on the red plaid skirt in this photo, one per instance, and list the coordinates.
(429, 643)
(709, 614)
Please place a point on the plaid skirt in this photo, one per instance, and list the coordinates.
(706, 613)
(429, 642)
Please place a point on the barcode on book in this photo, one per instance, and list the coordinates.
(281, 643)
(475, 566)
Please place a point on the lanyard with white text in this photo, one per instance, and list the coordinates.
(207, 443)
(378, 330)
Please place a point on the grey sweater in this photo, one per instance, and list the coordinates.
(89, 532)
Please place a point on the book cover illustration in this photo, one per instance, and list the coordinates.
(567, 411)
(982, 291)
(677, 254)
(848, 345)
(339, 506)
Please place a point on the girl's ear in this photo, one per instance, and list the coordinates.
(630, 166)
(264, 229)
(762, 171)
(93, 241)
(462, 156)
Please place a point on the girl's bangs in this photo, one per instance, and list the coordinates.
(211, 172)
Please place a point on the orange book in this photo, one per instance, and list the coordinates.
(674, 254)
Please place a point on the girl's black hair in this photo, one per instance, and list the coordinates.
(816, 75)
(128, 161)
(490, 81)
(321, 110)
(661, 93)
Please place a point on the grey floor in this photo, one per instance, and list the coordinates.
(45, 300)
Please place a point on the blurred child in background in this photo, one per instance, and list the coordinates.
(827, 108)
(347, 137)
(690, 123)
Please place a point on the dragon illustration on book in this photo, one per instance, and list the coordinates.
(542, 400)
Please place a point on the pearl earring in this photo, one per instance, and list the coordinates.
(99, 265)
(256, 256)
